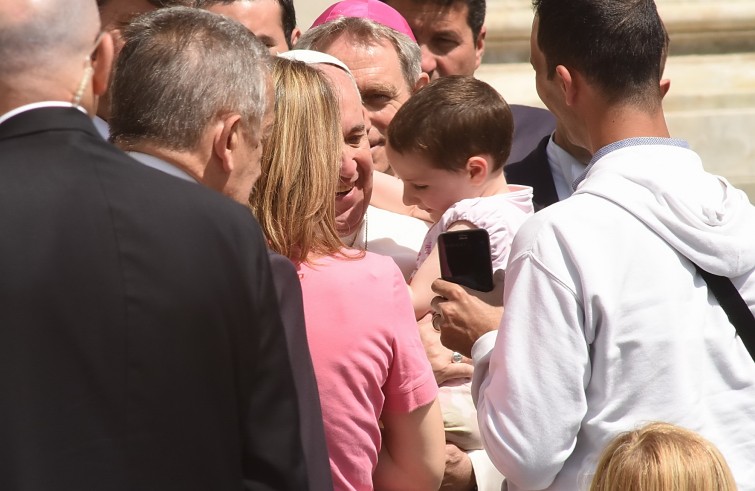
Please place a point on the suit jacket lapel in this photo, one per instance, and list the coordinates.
(534, 170)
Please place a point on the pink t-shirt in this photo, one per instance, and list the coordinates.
(367, 357)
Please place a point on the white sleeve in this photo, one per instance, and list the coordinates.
(487, 476)
(530, 388)
(481, 351)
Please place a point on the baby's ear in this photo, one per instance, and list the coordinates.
(478, 168)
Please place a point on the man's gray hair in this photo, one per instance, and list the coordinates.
(179, 71)
(367, 32)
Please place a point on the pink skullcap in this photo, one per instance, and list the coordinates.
(367, 9)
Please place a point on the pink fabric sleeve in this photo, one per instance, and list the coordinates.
(410, 383)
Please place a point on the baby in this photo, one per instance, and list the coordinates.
(448, 144)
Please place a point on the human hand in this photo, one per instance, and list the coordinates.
(459, 473)
(440, 357)
(463, 314)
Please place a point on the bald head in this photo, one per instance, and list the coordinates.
(41, 37)
(47, 48)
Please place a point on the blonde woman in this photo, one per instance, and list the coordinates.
(662, 457)
(368, 359)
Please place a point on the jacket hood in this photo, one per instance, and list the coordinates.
(701, 215)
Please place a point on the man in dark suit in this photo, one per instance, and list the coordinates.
(550, 169)
(209, 91)
(534, 171)
(140, 342)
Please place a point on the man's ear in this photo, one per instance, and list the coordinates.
(480, 46)
(295, 35)
(665, 86)
(423, 80)
(477, 169)
(102, 64)
(567, 83)
(227, 140)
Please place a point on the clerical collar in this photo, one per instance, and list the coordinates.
(357, 239)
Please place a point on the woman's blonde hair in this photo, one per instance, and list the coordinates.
(294, 198)
(662, 457)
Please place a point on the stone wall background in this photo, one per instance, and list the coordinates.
(308, 10)
(711, 66)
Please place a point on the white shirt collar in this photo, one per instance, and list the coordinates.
(161, 165)
(358, 239)
(565, 169)
(37, 105)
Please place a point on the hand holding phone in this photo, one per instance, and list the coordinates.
(465, 258)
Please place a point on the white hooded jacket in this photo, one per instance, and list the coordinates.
(607, 326)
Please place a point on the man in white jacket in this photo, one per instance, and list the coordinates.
(607, 323)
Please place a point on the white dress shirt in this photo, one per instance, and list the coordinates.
(161, 165)
(565, 169)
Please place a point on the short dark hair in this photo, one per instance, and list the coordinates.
(452, 119)
(288, 14)
(288, 19)
(476, 16)
(475, 13)
(615, 44)
(181, 69)
(666, 45)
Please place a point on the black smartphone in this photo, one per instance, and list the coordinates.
(465, 258)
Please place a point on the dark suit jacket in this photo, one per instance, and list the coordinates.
(288, 290)
(140, 342)
(531, 124)
(534, 170)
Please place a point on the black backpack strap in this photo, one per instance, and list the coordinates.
(734, 306)
(726, 294)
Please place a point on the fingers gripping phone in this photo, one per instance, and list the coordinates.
(465, 258)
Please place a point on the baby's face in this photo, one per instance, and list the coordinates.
(431, 189)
